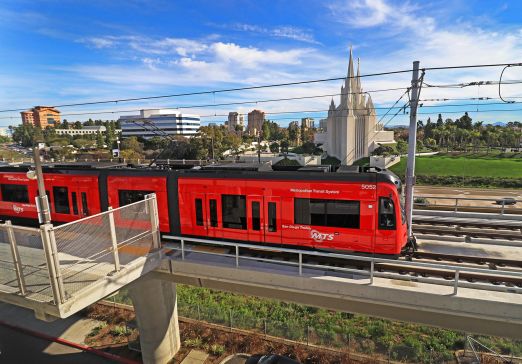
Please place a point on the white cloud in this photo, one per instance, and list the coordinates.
(98, 42)
(251, 57)
(283, 31)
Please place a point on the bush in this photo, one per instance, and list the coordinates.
(95, 331)
(217, 349)
(194, 343)
(120, 331)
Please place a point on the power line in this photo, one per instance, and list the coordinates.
(472, 83)
(221, 90)
(269, 85)
(470, 66)
(229, 103)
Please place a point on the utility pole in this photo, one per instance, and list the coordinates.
(259, 147)
(412, 145)
(43, 202)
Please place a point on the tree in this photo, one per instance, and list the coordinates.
(78, 125)
(132, 143)
(439, 121)
(99, 141)
(65, 124)
(23, 134)
(284, 147)
(308, 147)
(402, 147)
(274, 147)
(266, 130)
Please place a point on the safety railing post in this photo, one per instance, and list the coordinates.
(503, 206)
(372, 267)
(182, 249)
(237, 256)
(300, 264)
(16, 258)
(456, 204)
(154, 220)
(53, 267)
(114, 240)
(456, 282)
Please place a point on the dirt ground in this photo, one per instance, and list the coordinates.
(218, 343)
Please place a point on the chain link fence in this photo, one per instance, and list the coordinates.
(23, 263)
(386, 347)
(55, 263)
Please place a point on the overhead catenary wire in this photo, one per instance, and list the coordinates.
(293, 83)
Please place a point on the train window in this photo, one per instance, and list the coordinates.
(15, 193)
(343, 214)
(61, 200)
(199, 212)
(272, 217)
(386, 214)
(85, 207)
(233, 211)
(256, 216)
(332, 213)
(129, 196)
(74, 203)
(213, 213)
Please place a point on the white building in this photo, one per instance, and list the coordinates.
(352, 130)
(5, 131)
(86, 130)
(156, 122)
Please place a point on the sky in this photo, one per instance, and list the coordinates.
(62, 52)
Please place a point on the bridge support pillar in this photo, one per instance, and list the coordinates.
(155, 305)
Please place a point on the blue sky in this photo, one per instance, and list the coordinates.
(56, 52)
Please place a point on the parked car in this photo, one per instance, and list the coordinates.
(270, 359)
(506, 201)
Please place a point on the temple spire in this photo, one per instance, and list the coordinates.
(359, 89)
(350, 68)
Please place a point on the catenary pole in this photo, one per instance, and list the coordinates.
(43, 202)
(412, 145)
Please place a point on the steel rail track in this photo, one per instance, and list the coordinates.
(476, 223)
(459, 231)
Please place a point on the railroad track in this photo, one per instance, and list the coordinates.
(412, 272)
(492, 262)
(459, 230)
(496, 224)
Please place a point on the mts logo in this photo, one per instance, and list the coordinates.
(18, 209)
(320, 237)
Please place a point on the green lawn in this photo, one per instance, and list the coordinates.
(463, 166)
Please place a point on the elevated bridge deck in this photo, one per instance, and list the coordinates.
(477, 307)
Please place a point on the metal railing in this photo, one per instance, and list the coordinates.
(456, 204)
(55, 263)
(370, 271)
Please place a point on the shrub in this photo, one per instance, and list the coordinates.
(120, 331)
(217, 349)
(96, 330)
(194, 343)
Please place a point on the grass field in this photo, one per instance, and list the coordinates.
(465, 166)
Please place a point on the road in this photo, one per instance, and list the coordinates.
(464, 192)
(18, 347)
(468, 192)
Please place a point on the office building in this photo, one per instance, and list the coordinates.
(256, 118)
(235, 119)
(158, 122)
(41, 116)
